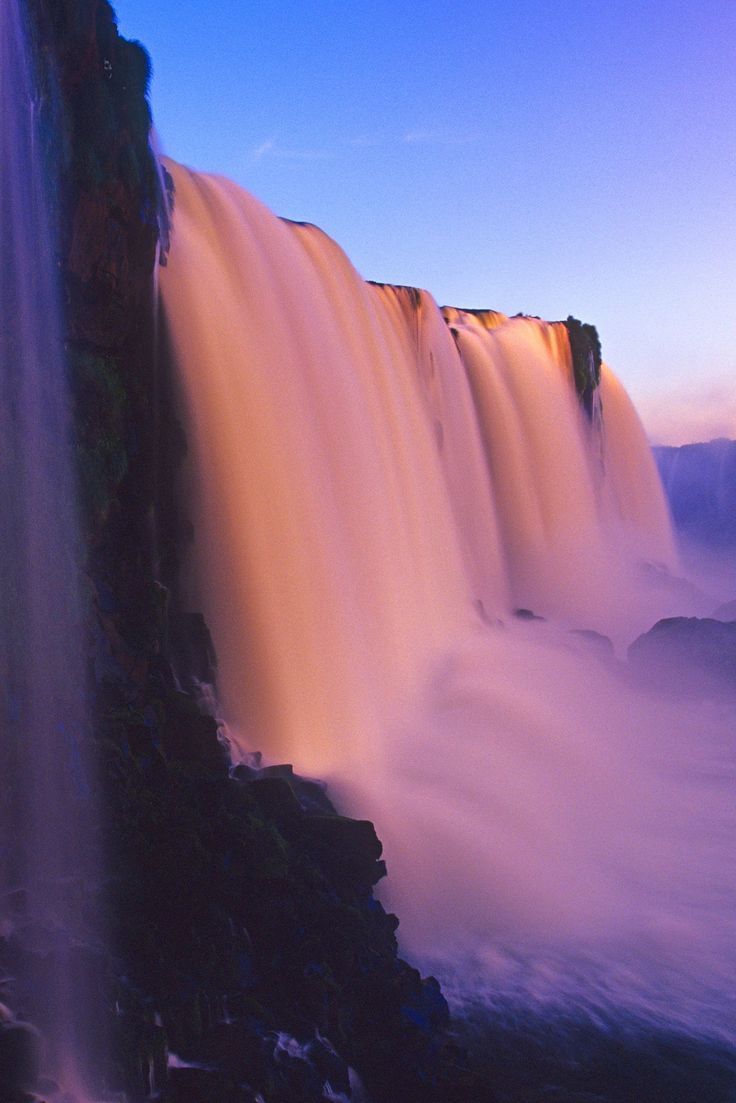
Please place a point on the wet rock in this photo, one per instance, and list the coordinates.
(601, 645)
(585, 351)
(700, 482)
(349, 849)
(140, 1043)
(192, 736)
(192, 647)
(20, 1048)
(310, 794)
(687, 655)
(198, 1085)
(726, 612)
(275, 797)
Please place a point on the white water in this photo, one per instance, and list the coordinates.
(375, 489)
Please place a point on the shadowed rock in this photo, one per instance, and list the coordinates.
(687, 655)
(700, 481)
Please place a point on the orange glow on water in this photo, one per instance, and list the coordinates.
(370, 479)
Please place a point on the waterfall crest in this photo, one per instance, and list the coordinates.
(373, 482)
(323, 671)
(377, 487)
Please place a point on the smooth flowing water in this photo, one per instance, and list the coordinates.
(376, 488)
(45, 803)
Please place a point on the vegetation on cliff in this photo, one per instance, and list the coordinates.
(585, 347)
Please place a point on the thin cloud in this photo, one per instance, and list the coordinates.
(270, 149)
(263, 149)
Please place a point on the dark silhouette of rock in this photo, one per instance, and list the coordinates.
(598, 643)
(681, 593)
(727, 611)
(687, 655)
(700, 481)
(585, 351)
(19, 1058)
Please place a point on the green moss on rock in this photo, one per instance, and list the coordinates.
(585, 348)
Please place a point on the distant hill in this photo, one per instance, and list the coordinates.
(700, 482)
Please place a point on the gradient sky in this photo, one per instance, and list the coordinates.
(545, 156)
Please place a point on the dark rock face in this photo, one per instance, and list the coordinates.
(96, 84)
(19, 1059)
(700, 482)
(585, 348)
(687, 655)
(242, 907)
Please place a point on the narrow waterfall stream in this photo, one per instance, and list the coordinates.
(47, 811)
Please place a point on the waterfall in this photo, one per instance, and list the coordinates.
(376, 487)
(373, 483)
(45, 812)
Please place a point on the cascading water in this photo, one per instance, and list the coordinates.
(45, 813)
(376, 488)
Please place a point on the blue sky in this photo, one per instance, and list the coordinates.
(549, 156)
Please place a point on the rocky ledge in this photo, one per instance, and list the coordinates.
(687, 656)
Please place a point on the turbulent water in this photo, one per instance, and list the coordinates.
(45, 800)
(377, 487)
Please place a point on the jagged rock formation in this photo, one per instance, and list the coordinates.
(687, 656)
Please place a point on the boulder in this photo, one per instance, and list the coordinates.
(687, 656)
(596, 642)
(19, 1058)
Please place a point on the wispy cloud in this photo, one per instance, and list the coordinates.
(263, 149)
(270, 149)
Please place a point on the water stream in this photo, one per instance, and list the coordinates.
(46, 807)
